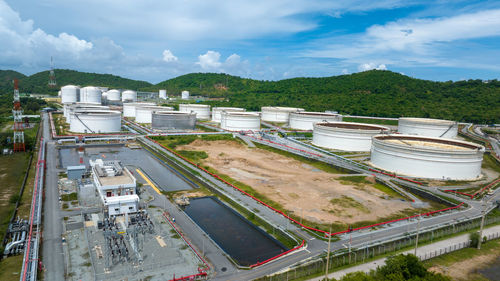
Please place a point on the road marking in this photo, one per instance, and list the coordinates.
(148, 181)
(345, 246)
(312, 239)
(307, 251)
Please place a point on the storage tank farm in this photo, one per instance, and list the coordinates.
(346, 136)
(143, 114)
(129, 96)
(304, 120)
(93, 121)
(240, 121)
(90, 94)
(216, 112)
(427, 157)
(162, 94)
(202, 110)
(428, 127)
(70, 94)
(277, 114)
(185, 95)
(129, 108)
(173, 120)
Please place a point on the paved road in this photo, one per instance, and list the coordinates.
(52, 254)
(422, 253)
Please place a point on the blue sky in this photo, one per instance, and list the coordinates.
(261, 39)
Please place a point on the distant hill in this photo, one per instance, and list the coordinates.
(374, 93)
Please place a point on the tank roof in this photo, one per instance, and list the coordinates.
(352, 125)
(315, 113)
(427, 120)
(167, 112)
(281, 108)
(428, 142)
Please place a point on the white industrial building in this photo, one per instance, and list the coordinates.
(428, 127)
(116, 186)
(277, 114)
(346, 135)
(162, 94)
(90, 94)
(427, 157)
(95, 121)
(129, 108)
(202, 110)
(240, 121)
(143, 114)
(185, 95)
(129, 96)
(70, 94)
(305, 120)
(173, 120)
(216, 112)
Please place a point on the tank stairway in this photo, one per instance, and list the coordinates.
(449, 128)
(76, 115)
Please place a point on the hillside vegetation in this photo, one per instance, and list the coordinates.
(373, 93)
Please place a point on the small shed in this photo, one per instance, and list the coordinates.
(75, 172)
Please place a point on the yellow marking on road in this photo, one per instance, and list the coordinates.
(148, 181)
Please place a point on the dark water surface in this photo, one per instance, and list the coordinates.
(242, 240)
(492, 272)
(162, 176)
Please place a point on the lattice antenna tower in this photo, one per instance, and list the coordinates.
(52, 75)
(17, 113)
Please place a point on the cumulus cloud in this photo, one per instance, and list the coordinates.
(209, 61)
(168, 56)
(370, 66)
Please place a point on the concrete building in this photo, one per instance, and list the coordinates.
(116, 186)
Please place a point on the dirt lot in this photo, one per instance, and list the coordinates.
(315, 195)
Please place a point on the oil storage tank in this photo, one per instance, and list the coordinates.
(114, 95)
(305, 120)
(129, 96)
(143, 113)
(202, 110)
(105, 121)
(428, 127)
(278, 114)
(216, 112)
(129, 108)
(240, 121)
(346, 135)
(72, 108)
(173, 120)
(427, 157)
(162, 94)
(70, 94)
(185, 95)
(90, 94)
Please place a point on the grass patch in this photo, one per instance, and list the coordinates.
(354, 179)
(10, 268)
(69, 197)
(194, 155)
(490, 163)
(205, 129)
(348, 202)
(174, 141)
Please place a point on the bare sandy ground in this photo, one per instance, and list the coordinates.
(467, 269)
(298, 187)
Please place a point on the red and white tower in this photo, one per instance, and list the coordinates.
(52, 75)
(17, 112)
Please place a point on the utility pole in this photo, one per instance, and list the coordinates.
(418, 231)
(481, 228)
(328, 253)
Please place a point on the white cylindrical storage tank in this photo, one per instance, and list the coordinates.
(70, 94)
(129, 96)
(278, 114)
(346, 135)
(96, 122)
(90, 94)
(114, 95)
(427, 157)
(162, 94)
(173, 120)
(428, 127)
(104, 96)
(216, 112)
(240, 121)
(59, 93)
(305, 120)
(72, 108)
(202, 110)
(143, 113)
(129, 108)
(185, 95)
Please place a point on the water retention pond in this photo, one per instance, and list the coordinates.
(238, 237)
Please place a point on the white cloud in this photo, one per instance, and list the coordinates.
(370, 66)
(168, 56)
(209, 61)
(345, 71)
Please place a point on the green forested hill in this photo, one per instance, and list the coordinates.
(375, 93)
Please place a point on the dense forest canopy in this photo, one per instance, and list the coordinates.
(373, 93)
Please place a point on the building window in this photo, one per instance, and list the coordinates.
(117, 209)
(130, 208)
